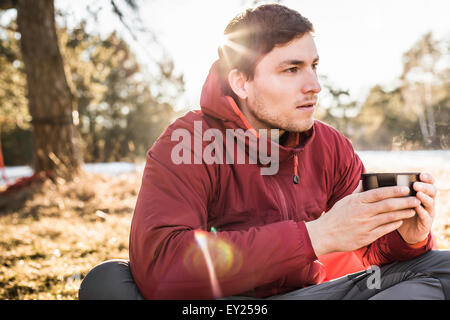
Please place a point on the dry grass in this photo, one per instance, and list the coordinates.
(52, 236)
(62, 231)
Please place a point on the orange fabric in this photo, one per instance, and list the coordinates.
(338, 264)
(241, 115)
(419, 244)
(296, 165)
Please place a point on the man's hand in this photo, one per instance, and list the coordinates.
(417, 228)
(362, 217)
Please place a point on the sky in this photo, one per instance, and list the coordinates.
(360, 43)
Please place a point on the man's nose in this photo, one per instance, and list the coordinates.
(311, 83)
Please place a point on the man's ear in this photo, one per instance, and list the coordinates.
(237, 81)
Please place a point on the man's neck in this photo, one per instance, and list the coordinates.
(274, 135)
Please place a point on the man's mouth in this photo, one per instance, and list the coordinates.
(307, 105)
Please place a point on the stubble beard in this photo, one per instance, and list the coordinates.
(272, 120)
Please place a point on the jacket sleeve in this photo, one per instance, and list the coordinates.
(169, 230)
(387, 249)
(348, 168)
(391, 247)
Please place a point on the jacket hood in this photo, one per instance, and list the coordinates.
(217, 105)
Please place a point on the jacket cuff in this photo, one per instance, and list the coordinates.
(305, 240)
(418, 244)
(403, 250)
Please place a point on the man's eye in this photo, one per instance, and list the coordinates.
(315, 66)
(291, 70)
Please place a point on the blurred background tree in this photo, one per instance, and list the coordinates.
(413, 115)
(337, 107)
(424, 87)
(116, 110)
(15, 128)
(119, 116)
(50, 101)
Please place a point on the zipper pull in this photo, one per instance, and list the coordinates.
(296, 177)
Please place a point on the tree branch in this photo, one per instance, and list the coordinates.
(119, 14)
(8, 4)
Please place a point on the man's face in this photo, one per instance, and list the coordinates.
(285, 80)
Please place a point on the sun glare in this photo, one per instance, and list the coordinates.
(227, 40)
(202, 241)
(212, 257)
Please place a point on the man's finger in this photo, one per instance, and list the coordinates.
(426, 200)
(385, 229)
(426, 177)
(383, 193)
(393, 204)
(387, 217)
(423, 214)
(426, 188)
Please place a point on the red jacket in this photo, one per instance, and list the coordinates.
(259, 244)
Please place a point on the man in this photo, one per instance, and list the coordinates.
(283, 222)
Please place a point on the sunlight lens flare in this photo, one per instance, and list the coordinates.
(228, 45)
(201, 239)
(213, 258)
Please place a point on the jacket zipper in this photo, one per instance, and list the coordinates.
(296, 177)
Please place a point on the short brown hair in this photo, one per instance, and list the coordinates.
(255, 32)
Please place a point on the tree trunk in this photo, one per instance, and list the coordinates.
(56, 140)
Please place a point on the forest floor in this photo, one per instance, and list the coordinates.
(51, 236)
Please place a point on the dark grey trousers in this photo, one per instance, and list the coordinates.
(425, 277)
